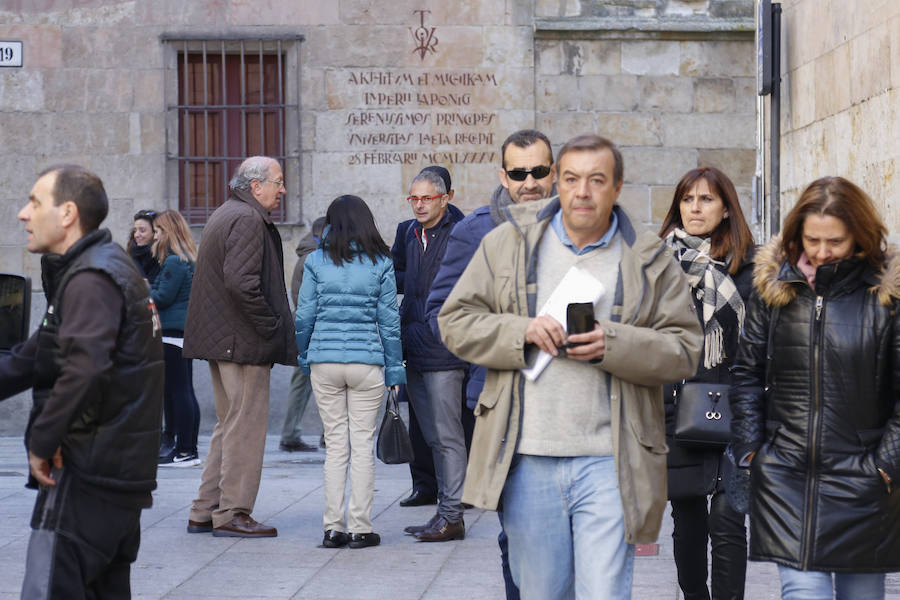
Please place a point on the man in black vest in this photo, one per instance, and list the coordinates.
(96, 367)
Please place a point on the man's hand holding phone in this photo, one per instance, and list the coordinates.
(546, 333)
(586, 339)
(587, 346)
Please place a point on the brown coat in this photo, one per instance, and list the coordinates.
(239, 308)
(653, 338)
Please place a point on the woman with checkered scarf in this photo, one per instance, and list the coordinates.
(709, 237)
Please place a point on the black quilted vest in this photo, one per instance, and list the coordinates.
(113, 442)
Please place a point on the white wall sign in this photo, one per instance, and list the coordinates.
(10, 54)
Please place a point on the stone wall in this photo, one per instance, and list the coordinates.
(674, 88)
(384, 89)
(841, 65)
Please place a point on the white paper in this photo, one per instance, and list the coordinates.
(577, 285)
(173, 341)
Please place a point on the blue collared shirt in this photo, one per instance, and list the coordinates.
(560, 230)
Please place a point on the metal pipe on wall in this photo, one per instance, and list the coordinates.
(775, 125)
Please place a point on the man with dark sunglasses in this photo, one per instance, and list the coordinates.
(527, 170)
(526, 174)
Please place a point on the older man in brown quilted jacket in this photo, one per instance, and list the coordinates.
(239, 320)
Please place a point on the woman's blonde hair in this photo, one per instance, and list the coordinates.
(178, 239)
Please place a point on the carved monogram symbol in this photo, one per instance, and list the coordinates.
(423, 36)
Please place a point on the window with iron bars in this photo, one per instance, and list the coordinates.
(231, 99)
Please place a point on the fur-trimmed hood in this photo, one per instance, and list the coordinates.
(776, 290)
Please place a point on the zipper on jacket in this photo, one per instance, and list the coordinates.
(813, 436)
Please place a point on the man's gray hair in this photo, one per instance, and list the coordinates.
(255, 167)
(431, 177)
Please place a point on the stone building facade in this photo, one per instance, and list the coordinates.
(370, 92)
(840, 93)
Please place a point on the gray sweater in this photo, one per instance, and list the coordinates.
(566, 410)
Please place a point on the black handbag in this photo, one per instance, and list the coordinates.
(703, 415)
(393, 446)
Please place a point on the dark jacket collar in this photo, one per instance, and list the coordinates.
(246, 197)
(52, 265)
(451, 216)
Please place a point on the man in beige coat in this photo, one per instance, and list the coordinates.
(577, 457)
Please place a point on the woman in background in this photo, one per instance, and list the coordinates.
(140, 248)
(176, 251)
(815, 398)
(140, 244)
(348, 336)
(709, 236)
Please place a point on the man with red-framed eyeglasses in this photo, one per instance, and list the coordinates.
(434, 376)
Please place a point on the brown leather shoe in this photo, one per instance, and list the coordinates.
(243, 525)
(443, 530)
(199, 526)
(414, 529)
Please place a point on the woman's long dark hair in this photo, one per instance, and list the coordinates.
(352, 231)
(731, 236)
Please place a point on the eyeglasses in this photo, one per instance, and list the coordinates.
(538, 172)
(278, 182)
(424, 199)
(145, 214)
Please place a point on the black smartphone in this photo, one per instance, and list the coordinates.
(579, 318)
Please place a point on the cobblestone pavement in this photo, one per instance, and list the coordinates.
(173, 564)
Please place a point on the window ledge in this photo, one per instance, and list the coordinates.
(650, 28)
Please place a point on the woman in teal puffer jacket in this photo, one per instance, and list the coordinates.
(348, 336)
(176, 251)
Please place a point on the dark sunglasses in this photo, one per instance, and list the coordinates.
(538, 172)
(145, 214)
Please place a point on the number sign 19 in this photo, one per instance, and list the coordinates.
(10, 54)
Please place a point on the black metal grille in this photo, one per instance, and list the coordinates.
(231, 104)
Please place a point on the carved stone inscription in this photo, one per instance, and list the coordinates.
(422, 116)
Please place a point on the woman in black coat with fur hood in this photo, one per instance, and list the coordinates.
(816, 398)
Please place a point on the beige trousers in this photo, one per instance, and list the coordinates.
(348, 397)
(233, 467)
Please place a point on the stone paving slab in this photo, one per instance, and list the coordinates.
(175, 565)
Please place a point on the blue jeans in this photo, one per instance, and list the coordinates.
(822, 585)
(566, 530)
(512, 592)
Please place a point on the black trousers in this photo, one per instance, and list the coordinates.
(181, 407)
(724, 526)
(82, 545)
(421, 467)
